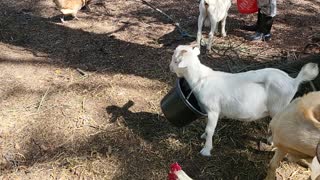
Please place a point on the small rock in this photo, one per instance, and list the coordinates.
(44, 148)
(109, 150)
(17, 146)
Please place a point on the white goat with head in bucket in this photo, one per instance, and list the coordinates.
(244, 96)
(211, 13)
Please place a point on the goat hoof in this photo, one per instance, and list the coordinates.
(223, 34)
(205, 152)
(204, 136)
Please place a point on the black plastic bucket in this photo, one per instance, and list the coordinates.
(179, 110)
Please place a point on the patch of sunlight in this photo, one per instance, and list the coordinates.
(16, 53)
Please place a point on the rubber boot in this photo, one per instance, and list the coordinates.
(253, 27)
(267, 28)
(264, 29)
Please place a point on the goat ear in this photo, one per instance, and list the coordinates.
(182, 64)
(196, 50)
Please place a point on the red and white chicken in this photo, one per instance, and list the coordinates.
(176, 173)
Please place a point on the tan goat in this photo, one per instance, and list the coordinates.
(296, 131)
(71, 7)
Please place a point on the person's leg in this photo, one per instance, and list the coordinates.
(264, 30)
(260, 29)
(268, 10)
(253, 27)
(267, 28)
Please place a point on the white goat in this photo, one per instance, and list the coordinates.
(211, 13)
(245, 96)
(296, 132)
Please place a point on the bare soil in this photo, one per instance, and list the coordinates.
(80, 100)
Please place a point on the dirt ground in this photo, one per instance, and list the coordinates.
(80, 100)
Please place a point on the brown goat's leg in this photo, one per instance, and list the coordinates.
(274, 164)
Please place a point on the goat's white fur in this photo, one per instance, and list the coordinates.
(296, 133)
(245, 96)
(211, 13)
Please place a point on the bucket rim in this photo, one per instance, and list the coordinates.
(185, 100)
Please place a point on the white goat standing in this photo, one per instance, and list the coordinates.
(245, 96)
(211, 13)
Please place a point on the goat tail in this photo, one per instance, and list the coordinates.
(307, 73)
(313, 115)
(206, 20)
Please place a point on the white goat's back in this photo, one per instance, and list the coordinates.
(217, 9)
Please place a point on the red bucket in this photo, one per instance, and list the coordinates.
(247, 6)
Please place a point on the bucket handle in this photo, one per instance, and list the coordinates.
(197, 84)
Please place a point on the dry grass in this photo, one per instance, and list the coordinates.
(81, 100)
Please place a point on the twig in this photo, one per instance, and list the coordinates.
(221, 128)
(42, 99)
(310, 45)
(83, 105)
(81, 72)
(10, 159)
(295, 56)
(229, 66)
(282, 176)
(97, 127)
(42, 111)
(292, 175)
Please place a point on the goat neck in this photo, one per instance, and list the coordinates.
(195, 73)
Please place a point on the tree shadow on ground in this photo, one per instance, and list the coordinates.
(145, 144)
(147, 125)
(77, 48)
(231, 144)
